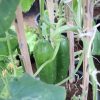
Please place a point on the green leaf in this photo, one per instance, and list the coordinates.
(75, 5)
(31, 40)
(41, 2)
(19, 71)
(3, 42)
(96, 44)
(27, 88)
(7, 13)
(45, 26)
(26, 4)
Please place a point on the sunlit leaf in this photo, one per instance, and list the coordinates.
(26, 4)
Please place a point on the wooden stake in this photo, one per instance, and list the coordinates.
(71, 43)
(88, 20)
(22, 42)
(72, 65)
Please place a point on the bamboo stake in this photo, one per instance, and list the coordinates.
(71, 43)
(88, 19)
(72, 65)
(22, 41)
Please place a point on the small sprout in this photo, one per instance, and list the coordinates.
(11, 66)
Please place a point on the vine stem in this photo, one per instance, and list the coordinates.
(41, 3)
(10, 52)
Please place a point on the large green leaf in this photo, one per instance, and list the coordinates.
(96, 44)
(27, 88)
(4, 51)
(7, 13)
(26, 4)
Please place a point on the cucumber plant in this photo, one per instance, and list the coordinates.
(50, 48)
(6, 87)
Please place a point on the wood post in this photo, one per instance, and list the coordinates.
(22, 41)
(71, 43)
(87, 21)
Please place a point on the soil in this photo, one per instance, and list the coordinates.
(74, 89)
(96, 11)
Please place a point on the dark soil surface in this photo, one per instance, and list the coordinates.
(96, 11)
(74, 89)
